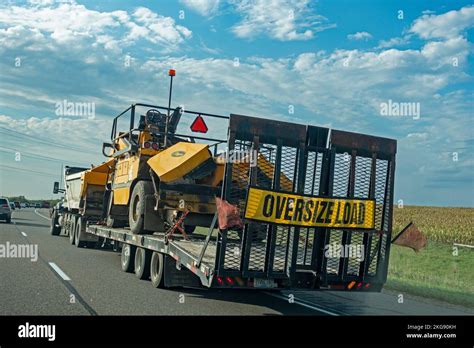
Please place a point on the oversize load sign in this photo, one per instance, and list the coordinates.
(309, 211)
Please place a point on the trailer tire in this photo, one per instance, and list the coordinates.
(80, 230)
(142, 263)
(71, 226)
(55, 230)
(157, 270)
(136, 213)
(127, 258)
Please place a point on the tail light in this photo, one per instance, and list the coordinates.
(149, 144)
(220, 281)
(229, 280)
(367, 286)
(351, 285)
(5, 206)
(359, 285)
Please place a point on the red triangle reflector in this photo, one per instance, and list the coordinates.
(199, 125)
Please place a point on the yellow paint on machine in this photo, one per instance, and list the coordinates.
(309, 211)
(121, 195)
(178, 160)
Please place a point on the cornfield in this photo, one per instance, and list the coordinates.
(441, 224)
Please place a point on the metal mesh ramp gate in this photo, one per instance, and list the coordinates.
(306, 160)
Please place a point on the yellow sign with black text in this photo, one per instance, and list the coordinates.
(309, 211)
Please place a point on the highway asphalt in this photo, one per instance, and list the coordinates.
(66, 280)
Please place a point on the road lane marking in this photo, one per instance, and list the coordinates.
(59, 271)
(313, 307)
(24, 234)
(44, 217)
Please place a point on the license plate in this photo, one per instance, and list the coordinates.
(264, 283)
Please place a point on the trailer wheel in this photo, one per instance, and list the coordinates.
(136, 213)
(128, 257)
(71, 226)
(142, 263)
(80, 230)
(55, 230)
(157, 270)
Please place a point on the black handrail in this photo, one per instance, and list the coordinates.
(132, 122)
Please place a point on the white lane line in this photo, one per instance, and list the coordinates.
(59, 271)
(44, 217)
(24, 234)
(313, 307)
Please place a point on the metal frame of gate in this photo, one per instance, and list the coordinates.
(312, 161)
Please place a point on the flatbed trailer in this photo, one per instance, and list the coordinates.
(304, 163)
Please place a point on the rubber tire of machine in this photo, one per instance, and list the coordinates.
(71, 227)
(136, 210)
(142, 263)
(157, 267)
(127, 258)
(79, 232)
(55, 230)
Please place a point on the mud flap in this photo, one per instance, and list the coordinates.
(153, 221)
(179, 277)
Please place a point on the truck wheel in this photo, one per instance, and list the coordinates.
(80, 231)
(157, 270)
(128, 257)
(136, 212)
(55, 230)
(142, 263)
(71, 226)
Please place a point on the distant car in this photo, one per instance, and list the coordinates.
(12, 206)
(45, 205)
(37, 205)
(27, 205)
(23, 205)
(5, 210)
(17, 205)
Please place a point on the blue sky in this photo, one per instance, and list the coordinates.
(334, 62)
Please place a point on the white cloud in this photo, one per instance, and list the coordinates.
(444, 26)
(284, 20)
(361, 35)
(203, 7)
(71, 26)
(156, 28)
(395, 41)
